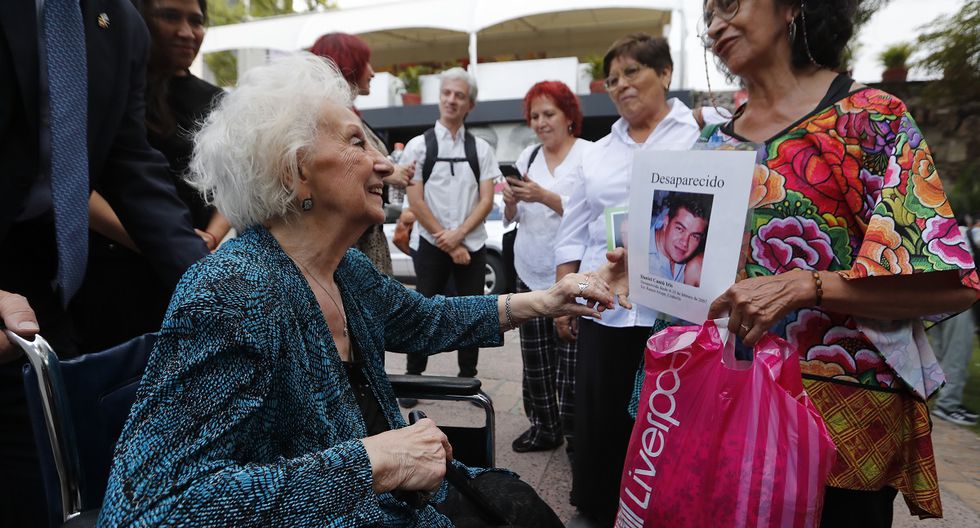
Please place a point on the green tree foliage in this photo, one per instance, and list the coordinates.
(952, 49)
(224, 64)
(964, 191)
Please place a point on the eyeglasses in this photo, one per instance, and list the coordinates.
(629, 73)
(723, 9)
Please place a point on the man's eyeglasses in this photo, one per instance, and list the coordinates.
(629, 73)
(723, 9)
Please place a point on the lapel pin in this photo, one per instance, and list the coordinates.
(103, 21)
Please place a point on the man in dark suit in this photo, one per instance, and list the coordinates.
(44, 165)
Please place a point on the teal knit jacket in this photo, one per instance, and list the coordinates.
(245, 416)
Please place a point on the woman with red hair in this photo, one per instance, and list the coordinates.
(353, 58)
(537, 201)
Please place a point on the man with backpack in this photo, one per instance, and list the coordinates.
(452, 195)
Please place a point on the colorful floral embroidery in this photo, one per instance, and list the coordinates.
(851, 188)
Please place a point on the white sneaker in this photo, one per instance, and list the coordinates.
(954, 416)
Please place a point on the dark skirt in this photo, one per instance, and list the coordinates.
(607, 361)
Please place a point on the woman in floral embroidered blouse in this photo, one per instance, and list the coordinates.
(851, 226)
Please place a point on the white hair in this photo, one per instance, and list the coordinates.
(457, 73)
(247, 153)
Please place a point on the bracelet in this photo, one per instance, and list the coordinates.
(507, 313)
(819, 285)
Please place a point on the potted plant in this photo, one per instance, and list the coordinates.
(598, 84)
(410, 76)
(895, 59)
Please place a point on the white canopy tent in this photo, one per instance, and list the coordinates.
(444, 30)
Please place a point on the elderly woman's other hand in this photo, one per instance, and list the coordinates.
(18, 317)
(410, 458)
(754, 305)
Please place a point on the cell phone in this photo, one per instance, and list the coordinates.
(509, 169)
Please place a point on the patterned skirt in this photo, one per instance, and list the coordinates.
(883, 438)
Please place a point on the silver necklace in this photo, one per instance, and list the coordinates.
(334, 301)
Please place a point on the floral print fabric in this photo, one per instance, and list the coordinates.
(852, 188)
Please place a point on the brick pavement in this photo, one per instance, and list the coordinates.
(957, 448)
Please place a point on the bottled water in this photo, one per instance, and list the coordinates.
(395, 195)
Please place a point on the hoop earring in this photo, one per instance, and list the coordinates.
(806, 40)
(308, 204)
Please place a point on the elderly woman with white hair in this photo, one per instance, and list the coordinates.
(265, 401)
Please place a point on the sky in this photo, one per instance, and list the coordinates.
(899, 21)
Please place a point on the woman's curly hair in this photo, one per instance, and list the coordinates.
(829, 27)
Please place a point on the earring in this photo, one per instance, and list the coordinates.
(792, 31)
(308, 204)
(570, 128)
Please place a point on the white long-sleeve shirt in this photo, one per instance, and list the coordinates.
(534, 249)
(603, 181)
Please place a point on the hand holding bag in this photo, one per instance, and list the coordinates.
(720, 442)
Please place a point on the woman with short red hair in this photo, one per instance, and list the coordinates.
(537, 201)
(353, 58)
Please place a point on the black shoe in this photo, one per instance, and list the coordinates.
(522, 444)
(408, 403)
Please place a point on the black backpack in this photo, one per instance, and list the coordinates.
(432, 155)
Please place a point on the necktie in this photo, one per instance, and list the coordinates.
(64, 44)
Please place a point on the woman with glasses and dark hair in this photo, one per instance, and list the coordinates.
(850, 227)
(120, 284)
(638, 70)
(537, 201)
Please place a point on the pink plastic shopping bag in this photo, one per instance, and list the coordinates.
(720, 443)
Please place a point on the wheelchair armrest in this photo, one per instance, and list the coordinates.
(442, 385)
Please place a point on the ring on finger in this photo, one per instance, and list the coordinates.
(582, 285)
(745, 327)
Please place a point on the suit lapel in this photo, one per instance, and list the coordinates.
(19, 25)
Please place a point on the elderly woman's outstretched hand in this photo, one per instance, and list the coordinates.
(560, 298)
(410, 458)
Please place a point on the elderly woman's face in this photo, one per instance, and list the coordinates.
(750, 37)
(343, 172)
(639, 92)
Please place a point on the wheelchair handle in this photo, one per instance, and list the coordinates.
(415, 416)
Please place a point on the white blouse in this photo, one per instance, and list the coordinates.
(534, 249)
(604, 181)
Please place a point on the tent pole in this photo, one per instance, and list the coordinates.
(472, 49)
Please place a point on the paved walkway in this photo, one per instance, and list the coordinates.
(957, 449)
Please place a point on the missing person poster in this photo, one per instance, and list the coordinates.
(688, 253)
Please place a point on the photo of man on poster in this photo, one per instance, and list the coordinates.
(678, 231)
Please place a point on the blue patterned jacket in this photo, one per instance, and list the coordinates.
(245, 417)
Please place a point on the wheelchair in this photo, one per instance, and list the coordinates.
(78, 408)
